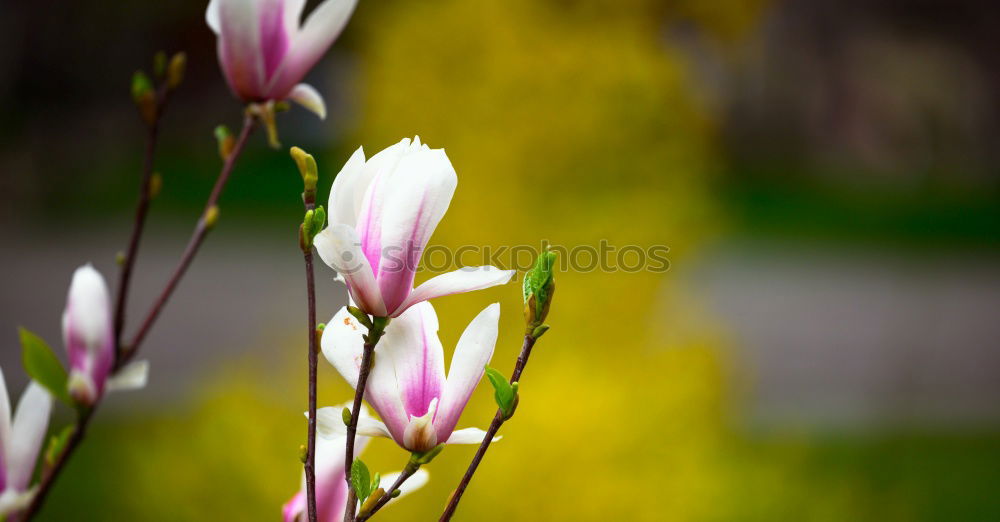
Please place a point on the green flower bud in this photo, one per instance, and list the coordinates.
(144, 97)
(226, 141)
(539, 286)
(308, 170)
(175, 71)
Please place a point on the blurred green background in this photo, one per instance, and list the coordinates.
(823, 347)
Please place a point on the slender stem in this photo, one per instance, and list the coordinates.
(408, 472)
(498, 420)
(200, 231)
(141, 210)
(127, 352)
(49, 476)
(374, 334)
(310, 464)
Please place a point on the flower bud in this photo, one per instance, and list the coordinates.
(226, 141)
(88, 335)
(309, 171)
(212, 216)
(175, 70)
(144, 97)
(539, 285)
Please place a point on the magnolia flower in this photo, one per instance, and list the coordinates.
(20, 441)
(331, 486)
(407, 387)
(90, 342)
(382, 212)
(265, 53)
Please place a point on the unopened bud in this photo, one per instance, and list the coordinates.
(211, 216)
(155, 185)
(372, 500)
(175, 71)
(144, 97)
(303, 453)
(345, 415)
(120, 258)
(539, 285)
(309, 172)
(226, 141)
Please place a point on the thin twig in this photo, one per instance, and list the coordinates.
(408, 472)
(83, 421)
(498, 420)
(310, 464)
(374, 334)
(141, 210)
(200, 231)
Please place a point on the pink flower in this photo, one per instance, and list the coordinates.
(382, 212)
(265, 53)
(418, 404)
(20, 441)
(331, 487)
(90, 343)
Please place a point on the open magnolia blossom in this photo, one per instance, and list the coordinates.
(20, 441)
(381, 214)
(265, 52)
(331, 486)
(89, 338)
(418, 405)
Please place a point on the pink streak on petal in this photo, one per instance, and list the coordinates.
(274, 40)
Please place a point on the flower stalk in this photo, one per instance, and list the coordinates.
(376, 329)
(538, 288)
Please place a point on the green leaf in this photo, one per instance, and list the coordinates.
(376, 480)
(43, 366)
(503, 392)
(361, 480)
(56, 444)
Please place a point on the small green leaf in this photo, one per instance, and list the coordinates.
(56, 444)
(503, 392)
(43, 366)
(376, 480)
(361, 480)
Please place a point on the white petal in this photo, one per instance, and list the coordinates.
(420, 434)
(468, 436)
(12, 501)
(348, 190)
(321, 28)
(309, 98)
(339, 247)
(416, 357)
(212, 16)
(474, 350)
(132, 377)
(88, 310)
(418, 195)
(462, 280)
(415, 482)
(330, 423)
(27, 433)
(239, 46)
(343, 347)
(4, 420)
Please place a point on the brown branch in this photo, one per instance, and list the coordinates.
(141, 210)
(498, 420)
(201, 230)
(127, 352)
(310, 463)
